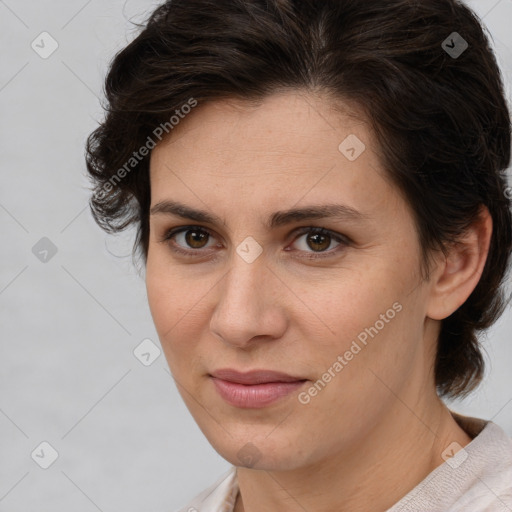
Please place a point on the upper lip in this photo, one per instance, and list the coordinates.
(253, 376)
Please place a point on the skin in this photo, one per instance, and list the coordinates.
(378, 427)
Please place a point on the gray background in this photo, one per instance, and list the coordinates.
(70, 324)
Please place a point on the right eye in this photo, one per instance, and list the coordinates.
(188, 240)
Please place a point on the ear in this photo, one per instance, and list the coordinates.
(456, 275)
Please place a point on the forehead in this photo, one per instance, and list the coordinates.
(289, 148)
(290, 130)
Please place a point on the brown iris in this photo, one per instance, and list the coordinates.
(318, 239)
(194, 238)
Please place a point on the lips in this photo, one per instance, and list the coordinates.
(254, 376)
(254, 389)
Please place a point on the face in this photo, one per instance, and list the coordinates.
(304, 261)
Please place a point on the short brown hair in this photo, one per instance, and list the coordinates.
(441, 119)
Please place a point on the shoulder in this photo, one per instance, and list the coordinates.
(488, 461)
(219, 497)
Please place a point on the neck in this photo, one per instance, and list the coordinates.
(397, 455)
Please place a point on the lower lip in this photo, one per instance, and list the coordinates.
(256, 395)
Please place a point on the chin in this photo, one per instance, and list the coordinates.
(258, 448)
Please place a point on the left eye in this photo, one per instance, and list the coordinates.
(318, 240)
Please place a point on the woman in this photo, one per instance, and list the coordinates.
(321, 205)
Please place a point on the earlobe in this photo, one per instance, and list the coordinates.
(457, 272)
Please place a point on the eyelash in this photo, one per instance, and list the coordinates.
(342, 240)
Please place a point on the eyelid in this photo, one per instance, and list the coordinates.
(321, 230)
(169, 233)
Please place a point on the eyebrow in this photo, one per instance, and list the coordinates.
(277, 219)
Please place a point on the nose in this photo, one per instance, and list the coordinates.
(250, 304)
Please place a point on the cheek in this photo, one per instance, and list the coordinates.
(351, 305)
(177, 312)
(159, 294)
(167, 300)
(359, 372)
(168, 293)
(372, 320)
